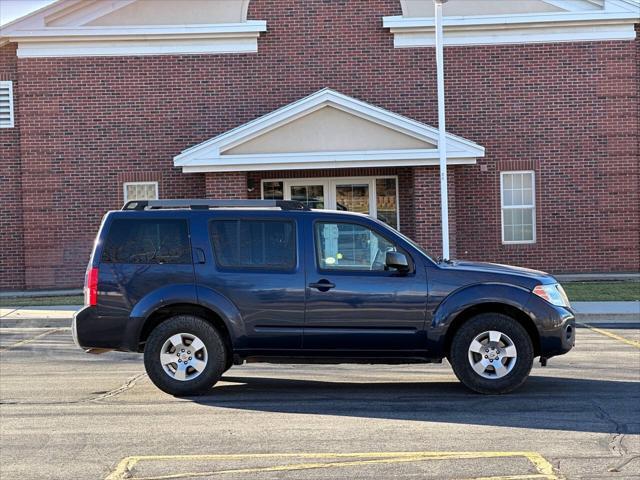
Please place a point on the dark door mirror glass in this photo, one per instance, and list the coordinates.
(397, 261)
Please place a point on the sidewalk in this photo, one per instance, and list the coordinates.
(607, 312)
(593, 313)
(29, 317)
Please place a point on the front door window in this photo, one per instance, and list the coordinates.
(349, 246)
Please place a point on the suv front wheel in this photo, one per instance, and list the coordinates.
(491, 353)
(184, 355)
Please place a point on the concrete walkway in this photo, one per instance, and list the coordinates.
(57, 312)
(37, 317)
(608, 312)
(588, 312)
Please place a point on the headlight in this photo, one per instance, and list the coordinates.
(553, 293)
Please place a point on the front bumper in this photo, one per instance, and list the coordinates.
(556, 327)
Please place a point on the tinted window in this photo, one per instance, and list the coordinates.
(147, 242)
(347, 246)
(254, 243)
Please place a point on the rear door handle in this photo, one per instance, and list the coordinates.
(200, 258)
(322, 285)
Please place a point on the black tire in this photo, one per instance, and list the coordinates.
(216, 355)
(459, 354)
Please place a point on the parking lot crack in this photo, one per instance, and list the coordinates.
(615, 442)
(616, 439)
(127, 385)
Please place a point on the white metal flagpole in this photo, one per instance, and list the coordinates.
(442, 142)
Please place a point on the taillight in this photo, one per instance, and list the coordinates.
(91, 287)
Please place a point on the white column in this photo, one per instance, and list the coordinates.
(442, 142)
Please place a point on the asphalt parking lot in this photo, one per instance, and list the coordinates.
(67, 414)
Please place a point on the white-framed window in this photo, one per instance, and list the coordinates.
(140, 191)
(518, 201)
(376, 196)
(6, 104)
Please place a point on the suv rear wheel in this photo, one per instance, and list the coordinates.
(491, 353)
(184, 355)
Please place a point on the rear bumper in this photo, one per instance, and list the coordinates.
(96, 334)
(82, 320)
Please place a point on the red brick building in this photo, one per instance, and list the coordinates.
(329, 101)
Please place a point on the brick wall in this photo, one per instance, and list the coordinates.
(570, 113)
(11, 240)
(226, 185)
(87, 123)
(428, 225)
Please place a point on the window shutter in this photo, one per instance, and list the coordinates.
(6, 104)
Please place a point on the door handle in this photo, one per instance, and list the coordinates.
(322, 285)
(199, 255)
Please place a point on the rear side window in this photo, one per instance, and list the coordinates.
(147, 242)
(254, 244)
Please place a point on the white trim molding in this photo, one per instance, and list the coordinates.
(210, 156)
(40, 35)
(152, 40)
(613, 22)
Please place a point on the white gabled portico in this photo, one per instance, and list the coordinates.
(326, 130)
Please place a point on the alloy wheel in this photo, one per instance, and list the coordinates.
(183, 356)
(492, 354)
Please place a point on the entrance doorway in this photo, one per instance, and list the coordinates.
(375, 196)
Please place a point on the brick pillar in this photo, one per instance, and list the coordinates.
(406, 203)
(226, 185)
(426, 209)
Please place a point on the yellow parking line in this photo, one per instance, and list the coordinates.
(124, 468)
(32, 339)
(541, 463)
(628, 341)
(290, 467)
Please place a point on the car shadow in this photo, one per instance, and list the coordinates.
(542, 403)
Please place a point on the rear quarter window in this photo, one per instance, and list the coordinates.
(254, 244)
(147, 242)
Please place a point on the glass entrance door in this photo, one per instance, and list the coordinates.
(375, 196)
(352, 197)
(313, 194)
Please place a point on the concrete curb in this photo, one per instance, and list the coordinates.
(598, 277)
(58, 312)
(37, 317)
(607, 312)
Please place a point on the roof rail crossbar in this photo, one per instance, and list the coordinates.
(204, 204)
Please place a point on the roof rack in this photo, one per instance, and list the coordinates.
(204, 204)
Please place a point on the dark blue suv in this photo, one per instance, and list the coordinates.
(201, 285)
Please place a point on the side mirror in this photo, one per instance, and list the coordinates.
(397, 261)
